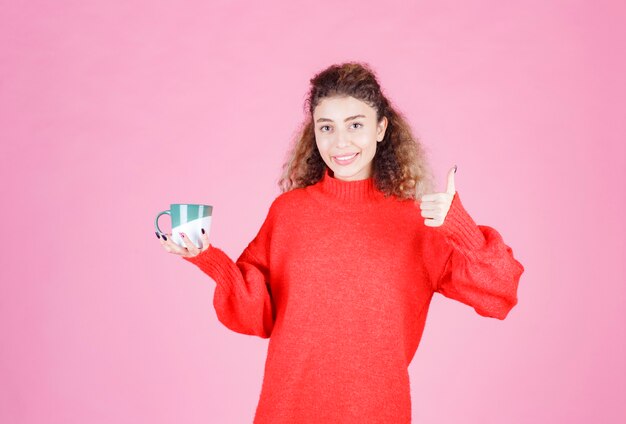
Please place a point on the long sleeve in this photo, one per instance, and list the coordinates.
(480, 270)
(242, 298)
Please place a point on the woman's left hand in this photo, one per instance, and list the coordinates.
(435, 206)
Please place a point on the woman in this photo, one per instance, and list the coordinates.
(341, 274)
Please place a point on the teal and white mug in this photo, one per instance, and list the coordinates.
(189, 219)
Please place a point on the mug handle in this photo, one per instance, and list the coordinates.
(156, 221)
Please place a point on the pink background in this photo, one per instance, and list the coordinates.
(108, 113)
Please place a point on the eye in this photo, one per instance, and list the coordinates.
(323, 126)
(358, 123)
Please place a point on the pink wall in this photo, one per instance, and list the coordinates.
(109, 113)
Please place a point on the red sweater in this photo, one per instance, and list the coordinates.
(340, 278)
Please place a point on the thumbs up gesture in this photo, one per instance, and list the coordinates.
(435, 206)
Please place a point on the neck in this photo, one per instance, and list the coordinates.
(357, 191)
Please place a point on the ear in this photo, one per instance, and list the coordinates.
(382, 127)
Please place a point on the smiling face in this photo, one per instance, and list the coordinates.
(346, 134)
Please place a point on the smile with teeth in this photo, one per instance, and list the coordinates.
(345, 160)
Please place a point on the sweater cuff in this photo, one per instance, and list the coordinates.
(460, 230)
(217, 265)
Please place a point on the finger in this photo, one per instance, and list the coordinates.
(428, 206)
(433, 222)
(431, 214)
(162, 239)
(450, 187)
(205, 239)
(193, 249)
(436, 197)
(437, 214)
(173, 247)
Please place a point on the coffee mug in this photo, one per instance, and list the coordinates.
(188, 219)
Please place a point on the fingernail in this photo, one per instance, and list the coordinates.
(202, 229)
(164, 237)
(455, 169)
(157, 234)
(181, 235)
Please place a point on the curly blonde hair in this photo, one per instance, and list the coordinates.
(399, 167)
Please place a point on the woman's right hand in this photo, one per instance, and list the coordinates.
(189, 251)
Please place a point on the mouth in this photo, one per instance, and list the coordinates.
(345, 159)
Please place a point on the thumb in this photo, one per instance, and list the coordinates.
(450, 188)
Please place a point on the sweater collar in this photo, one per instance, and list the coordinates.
(359, 191)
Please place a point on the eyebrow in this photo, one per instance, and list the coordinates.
(345, 120)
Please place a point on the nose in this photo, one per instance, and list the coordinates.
(342, 139)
